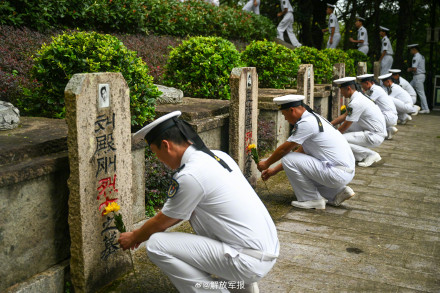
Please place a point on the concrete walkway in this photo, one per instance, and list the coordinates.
(385, 239)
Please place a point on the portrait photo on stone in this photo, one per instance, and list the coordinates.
(103, 95)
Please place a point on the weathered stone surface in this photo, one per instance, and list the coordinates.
(337, 99)
(193, 108)
(52, 280)
(376, 69)
(99, 143)
(9, 116)
(306, 84)
(243, 115)
(34, 234)
(361, 68)
(169, 95)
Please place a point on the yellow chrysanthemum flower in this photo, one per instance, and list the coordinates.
(343, 109)
(252, 146)
(112, 207)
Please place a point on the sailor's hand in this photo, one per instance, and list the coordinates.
(126, 240)
(262, 165)
(266, 174)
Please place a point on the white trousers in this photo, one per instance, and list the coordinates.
(286, 24)
(361, 141)
(403, 109)
(390, 118)
(417, 84)
(189, 261)
(336, 39)
(313, 179)
(385, 64)
(364, 49)
(251, 8)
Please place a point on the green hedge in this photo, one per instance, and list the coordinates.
(358, 56)
(340, 56)
(78, 52)
(322, 67)
(170, 17)
(201, 18)
(201, 67)
(277, 66)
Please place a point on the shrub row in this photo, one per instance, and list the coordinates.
(170, 17)
(77, 52)
(200, 66)
(201, 18)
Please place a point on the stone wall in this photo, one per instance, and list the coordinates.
(34, 234)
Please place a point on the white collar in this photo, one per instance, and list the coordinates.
(187, 154)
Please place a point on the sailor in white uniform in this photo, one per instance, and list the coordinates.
(418, 70)
(363, 125)
(252, 6)
(333, 27)
(286, 23)
(209, 190)
(322, 164)
(362, 36)
(380, 97)
(397, 79)
(401, 98)
(386, 57)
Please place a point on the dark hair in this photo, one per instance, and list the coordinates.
(353, 86)
(356, 86)
(103, 88)
(172, 134)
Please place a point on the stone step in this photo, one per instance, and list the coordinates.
(33, 138)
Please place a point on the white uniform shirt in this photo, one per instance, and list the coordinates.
(366, 114)
(362, 35)
(382, 100)
(286, 4)
(220, 204)
(386, 45)
(407, 87)
(333, 22)
(396, 91)
(328, 146)
(418, 62)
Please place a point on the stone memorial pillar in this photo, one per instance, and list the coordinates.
(99, 147)
(243, 115)
(306, 83)
(361, 68)
(337, 98)
(376, 70)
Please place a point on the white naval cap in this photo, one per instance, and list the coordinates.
(331, 5)
(382, 28)
(345, 81)
(360, 18)
(412, 46)
(285, 102)
(365, 77)
(395, 71)
(158, 126)
(385, 76)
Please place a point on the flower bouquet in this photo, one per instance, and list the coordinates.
(343, 109)
(114, 207)
(254, 153)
